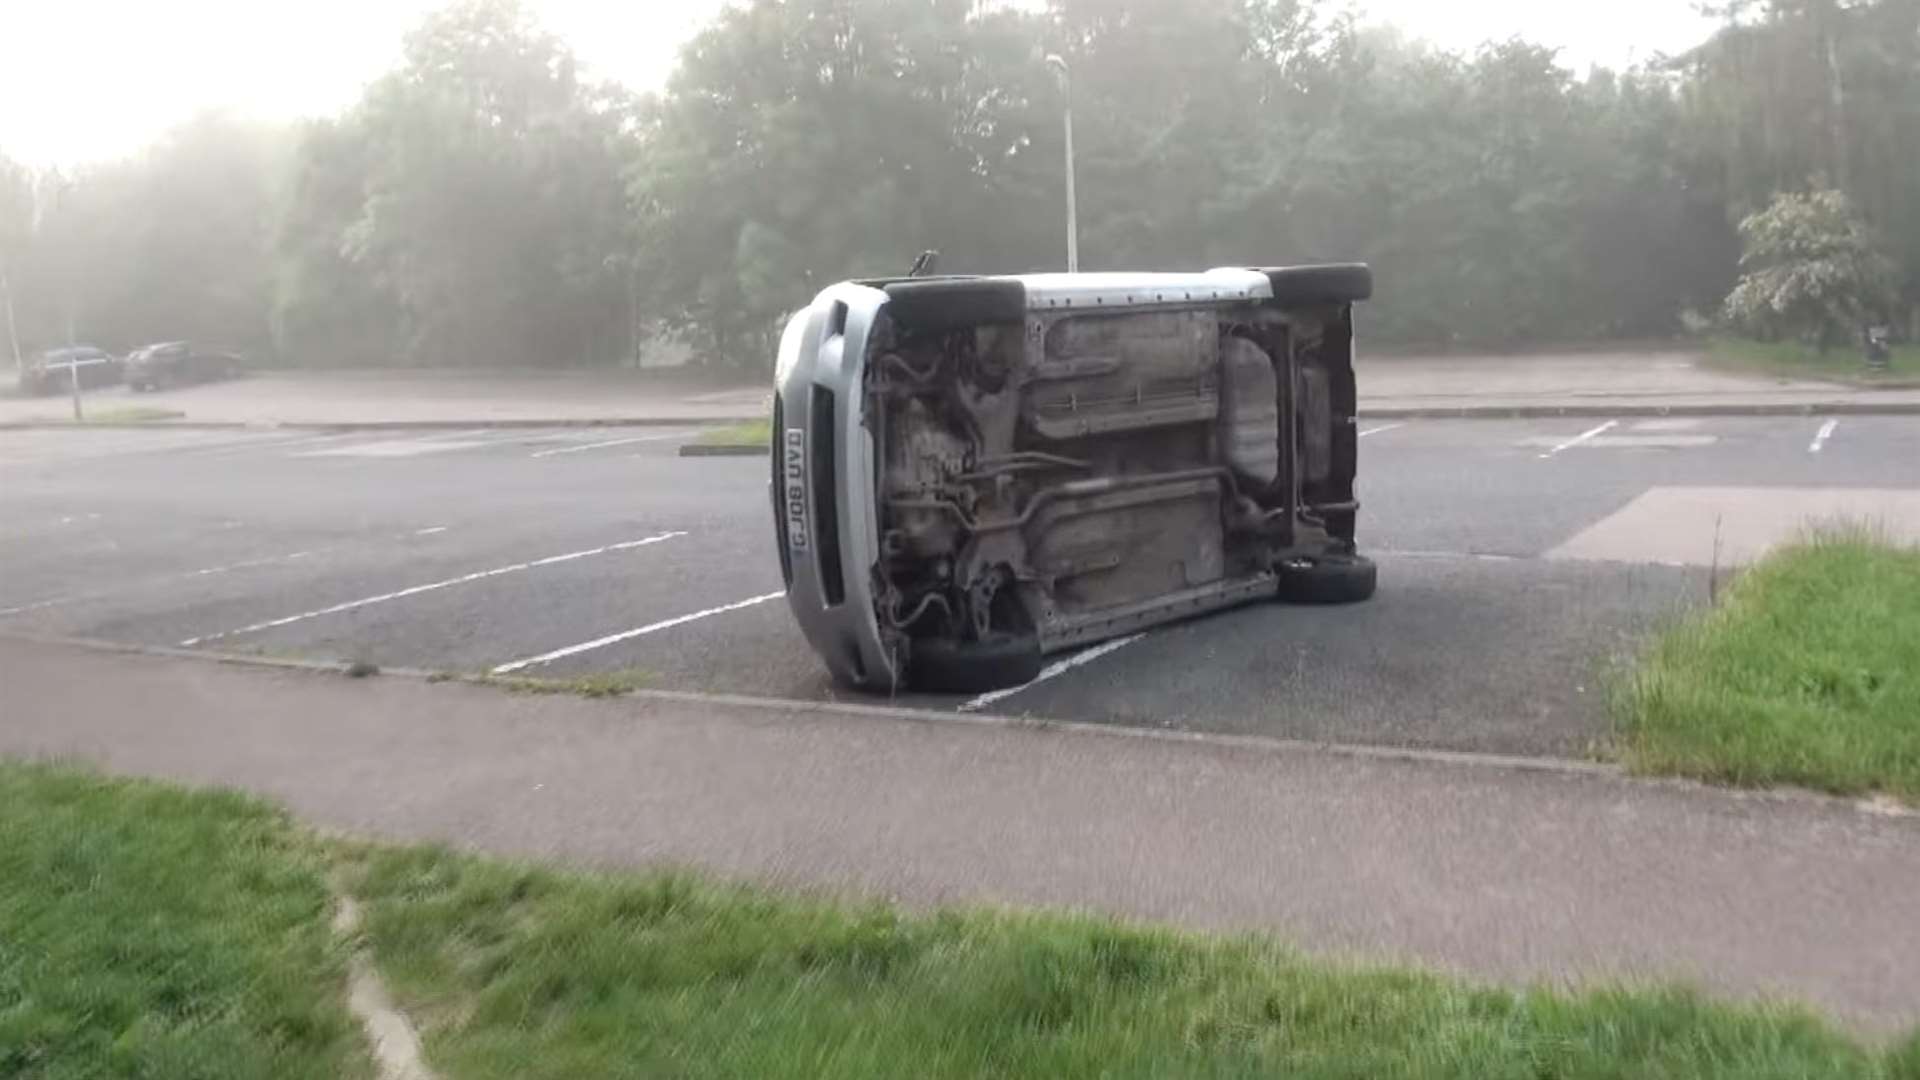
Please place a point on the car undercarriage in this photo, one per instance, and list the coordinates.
(1061, 477)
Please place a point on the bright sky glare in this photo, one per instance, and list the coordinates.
(84, 80)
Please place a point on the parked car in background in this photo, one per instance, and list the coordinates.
(176, 363)
(52, 371)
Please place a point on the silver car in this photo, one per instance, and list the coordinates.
(971, 473)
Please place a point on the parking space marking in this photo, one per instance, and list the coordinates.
(1057, 668)
(1820, 440)
(629, 635)
(35, 606)
(1381, 428)
(1632, 442)
(203, 572)
(393, 448)
(584, 447)
(1580, 438)
(250, 563)
(551, 560)
(434, 531)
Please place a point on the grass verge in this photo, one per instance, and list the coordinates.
(1807, 672)
(754, 433)
(157, 933)
(1793, 360)
(515, 971)
(601, 685)
(151, 932)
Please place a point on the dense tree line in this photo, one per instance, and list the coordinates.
(486, 203)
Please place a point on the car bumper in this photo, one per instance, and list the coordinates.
(824, 481)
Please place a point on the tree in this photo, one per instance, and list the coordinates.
(16, 230)
(1799, 93)
(804, 142)
(1810, 269)
(471, 207)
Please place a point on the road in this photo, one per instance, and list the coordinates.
(1508, 595)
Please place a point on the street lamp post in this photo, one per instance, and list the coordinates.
(1059, 66)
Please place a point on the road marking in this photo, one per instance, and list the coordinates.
(629, 635)
(610, 442)
(250, 563)
(437, 529)
(416, 590)
(1381, 428)
(1631, 442)
(1826, 432)
(1580, 438)
(1483, 556)
(392, 448)
(36, 606)
(205, 572)
(1058, 667)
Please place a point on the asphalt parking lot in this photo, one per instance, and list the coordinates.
(1508, 593)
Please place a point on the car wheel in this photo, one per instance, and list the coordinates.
(937, 305)
(1333, 283)
(1327, 579)
(944, 666)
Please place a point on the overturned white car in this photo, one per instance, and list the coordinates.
(970, 473)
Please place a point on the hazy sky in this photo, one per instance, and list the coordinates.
(88, 79)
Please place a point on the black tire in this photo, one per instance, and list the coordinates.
(1328, 579)
(1331, 283)
(942, 666)
(939, 304)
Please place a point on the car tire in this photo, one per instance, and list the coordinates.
(1327, 579)
(935, 305)
(944, 666)
(1330, 283)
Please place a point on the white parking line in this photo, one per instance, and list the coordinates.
(1826, 432)
(36, 606)
(203, 572)
(434, 531)
(610, 442)
(250, 563)
(1580, 438)
(1378, 430)
(416, 590)
(1058, 667)
(629, 635)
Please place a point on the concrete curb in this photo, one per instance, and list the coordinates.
(1637, 409)
(378, 425)
(1876, 806)
(724, 450)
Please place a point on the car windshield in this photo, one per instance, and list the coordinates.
(1453, 441)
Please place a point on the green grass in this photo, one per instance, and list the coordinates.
(1793, 360)
(601, 685)
(1807, 672)
(754, 433)
(151, 932)
(514, 971)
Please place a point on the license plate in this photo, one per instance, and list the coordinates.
(794, 486)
